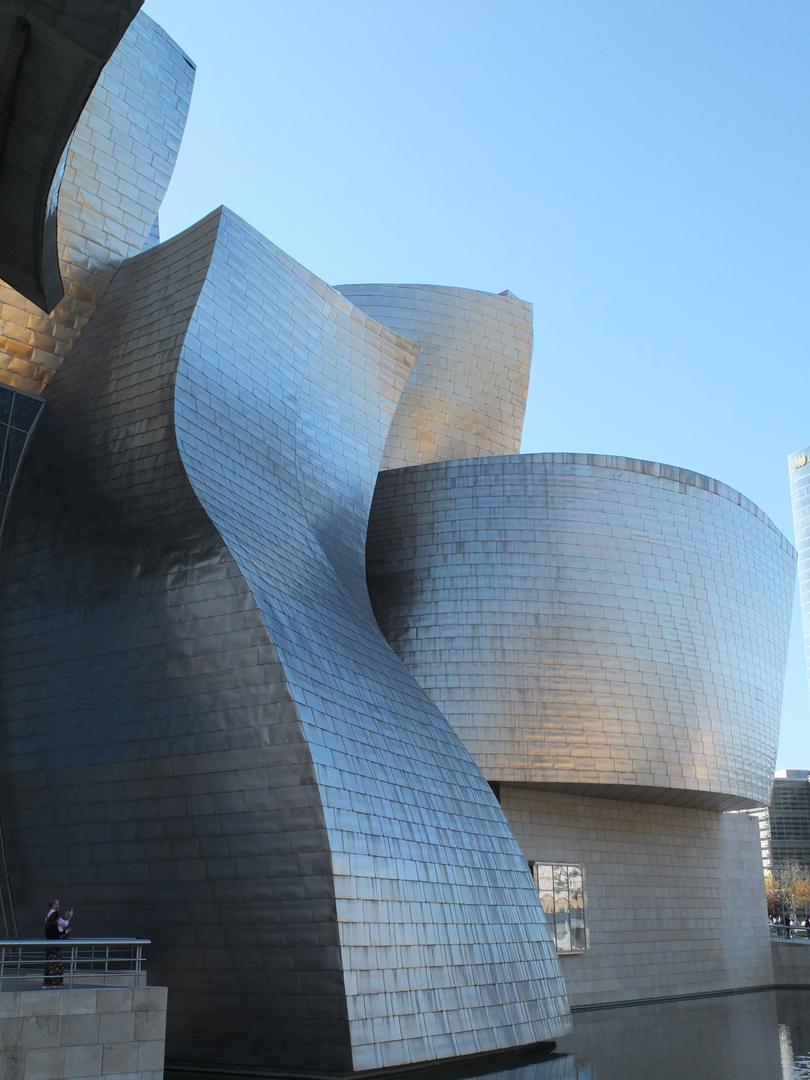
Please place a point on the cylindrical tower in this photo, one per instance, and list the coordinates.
(590, 625)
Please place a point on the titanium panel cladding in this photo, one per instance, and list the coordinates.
(466, 394)
(51, 55)
(118, 165)
(238, 759)
(596, 624)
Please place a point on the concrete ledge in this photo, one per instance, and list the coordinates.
(791, 963)
(83, 1034)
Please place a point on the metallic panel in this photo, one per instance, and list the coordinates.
(599, 625)
(51, 54)
(466, 395)
(116, 171)
(238, 762)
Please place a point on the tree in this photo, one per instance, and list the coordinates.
(773, 898)
(791, 881)
(802, 896)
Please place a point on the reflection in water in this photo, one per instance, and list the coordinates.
(762, 1036)
(558, 1068)
(515, 1065)
(794, 1033)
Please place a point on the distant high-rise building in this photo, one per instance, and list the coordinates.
(790, 817)
(799, 463)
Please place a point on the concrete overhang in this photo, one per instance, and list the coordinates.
(53, 52)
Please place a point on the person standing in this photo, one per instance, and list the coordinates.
(56, 927)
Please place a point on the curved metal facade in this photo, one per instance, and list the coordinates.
(591, 624)
(466, 395)
(52, 55)
(117, 167)
(240, 766)
(237, 759)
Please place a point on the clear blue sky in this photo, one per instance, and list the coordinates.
(638, 170)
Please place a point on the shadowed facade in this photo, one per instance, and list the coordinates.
(239, 763)
(51, 55)
(116, 168)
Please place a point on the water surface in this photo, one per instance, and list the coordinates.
(761, 1036)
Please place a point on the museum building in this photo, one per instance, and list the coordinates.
(392, 740)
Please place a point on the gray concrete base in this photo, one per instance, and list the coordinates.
(791, 963)
(113, 1033)
(674, 897)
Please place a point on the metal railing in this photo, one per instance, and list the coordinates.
(795, 933)
(85, 962)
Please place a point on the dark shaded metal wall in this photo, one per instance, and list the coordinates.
(154, 768)
(51, 54)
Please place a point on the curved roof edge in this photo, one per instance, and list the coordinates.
(674, 473)
(448, 290)
(52, 61)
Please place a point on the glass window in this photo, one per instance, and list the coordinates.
(561, 888)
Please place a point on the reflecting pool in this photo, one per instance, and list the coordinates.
(762, 1036)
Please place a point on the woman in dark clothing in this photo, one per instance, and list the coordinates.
(55, 928)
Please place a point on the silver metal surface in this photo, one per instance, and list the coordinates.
(117, 168)
(443, 946)
(51, 55)
(599, 625)
(466, 394)
(233, 746)
(194, 683)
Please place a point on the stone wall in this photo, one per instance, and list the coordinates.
(791, 963)
(675, 899)
(114, 1032)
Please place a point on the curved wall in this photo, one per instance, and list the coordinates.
(118, 165)
(240, 765)
(466, 394)
(595, 624)
(52, 56)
